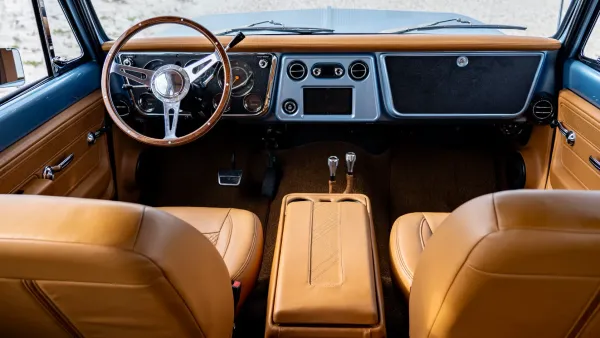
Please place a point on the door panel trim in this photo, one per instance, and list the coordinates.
(582, 80)
(25, 113)
(88, 175)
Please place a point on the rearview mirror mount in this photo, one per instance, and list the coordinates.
(11, 68)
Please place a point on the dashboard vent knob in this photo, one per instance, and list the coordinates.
(358, 70)
(297, 70)
(542, 110)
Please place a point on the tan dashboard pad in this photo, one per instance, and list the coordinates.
(348, 43)
(325, 276)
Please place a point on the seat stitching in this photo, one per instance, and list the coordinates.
(169, 281)
(461, 267)
(228, 216)
(402, 262)
(252, 250)
(423, 221)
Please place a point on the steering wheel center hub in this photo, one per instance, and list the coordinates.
(170, 83)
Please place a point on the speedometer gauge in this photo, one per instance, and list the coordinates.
(242, 80)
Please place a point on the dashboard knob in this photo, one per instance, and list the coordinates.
(290, 106)
(316, 71)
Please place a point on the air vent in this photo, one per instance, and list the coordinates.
(297, 70)
(358, 70)
(542, 110)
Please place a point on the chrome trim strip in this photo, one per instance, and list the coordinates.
(387, 91)
(268, 96)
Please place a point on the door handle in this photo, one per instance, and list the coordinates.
(595, 163)
(49, 171)
(568, 134)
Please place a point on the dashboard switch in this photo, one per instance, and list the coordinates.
(290, 106)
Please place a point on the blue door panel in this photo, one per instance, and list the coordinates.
(25, 113)
(583, 80)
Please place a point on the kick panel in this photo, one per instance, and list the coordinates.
(466, 84)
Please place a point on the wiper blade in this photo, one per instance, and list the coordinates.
(467, 25)
(275, 27)
(402, 29)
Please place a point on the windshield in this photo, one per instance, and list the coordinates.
(540, 17)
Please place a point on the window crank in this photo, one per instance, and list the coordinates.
(49, 171)
(568, 134)
(92, 136)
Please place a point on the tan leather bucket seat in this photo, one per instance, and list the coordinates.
(511, 264)
(80, 267)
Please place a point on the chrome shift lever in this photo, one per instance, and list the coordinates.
(332, 162)
(350, 160)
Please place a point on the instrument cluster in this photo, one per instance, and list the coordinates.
(252, 82)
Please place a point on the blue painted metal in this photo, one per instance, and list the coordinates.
(583, 80)
(25, 113)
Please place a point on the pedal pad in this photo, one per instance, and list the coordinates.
(230, 177)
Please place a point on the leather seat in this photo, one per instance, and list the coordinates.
(82, 267)
(409, 235)
(510, 264)
(237, 235)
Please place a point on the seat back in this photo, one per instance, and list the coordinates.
(512, 264)
(79, 267)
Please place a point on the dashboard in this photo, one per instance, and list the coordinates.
(300, 86)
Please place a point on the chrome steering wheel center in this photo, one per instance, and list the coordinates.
(170, 83)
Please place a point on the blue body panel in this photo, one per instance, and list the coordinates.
(27, 112)
(583, 80)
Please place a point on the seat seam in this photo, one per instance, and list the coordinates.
(401, 259)
(423, 220)
(252, 250)
(185, 304)
(50, 308)
(461, 267)
(228, 216)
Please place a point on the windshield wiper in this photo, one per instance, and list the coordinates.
(275, 27)
(467, 25)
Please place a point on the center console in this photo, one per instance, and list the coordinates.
(325, 278)
(328, 88)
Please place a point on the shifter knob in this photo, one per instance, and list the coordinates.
(332, 162)
(350, 160)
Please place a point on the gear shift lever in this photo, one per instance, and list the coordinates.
(350, 160)
(332, 162)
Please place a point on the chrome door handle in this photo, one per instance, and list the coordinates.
(568, 134)
(92, 136)
(595, 163)
(48, 172)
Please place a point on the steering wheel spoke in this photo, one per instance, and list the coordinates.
(196, 69)
(144, 77)
(171, 108)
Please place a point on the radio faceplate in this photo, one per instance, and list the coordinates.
(343, 97)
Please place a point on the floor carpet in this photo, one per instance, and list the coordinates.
(413, 172)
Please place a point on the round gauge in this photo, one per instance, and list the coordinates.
(154, 64)
(122, 107)
(147, 102)
(204, 76)
(253, 103)
(242, 80)
(216, 101)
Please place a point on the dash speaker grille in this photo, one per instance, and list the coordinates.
(488, 84)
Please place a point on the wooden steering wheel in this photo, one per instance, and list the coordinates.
(169, 83)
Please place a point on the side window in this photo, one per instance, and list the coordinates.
(19, 31)
(592, 47)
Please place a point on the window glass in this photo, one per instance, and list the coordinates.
(592, 47)
(343, 16)
(65, 43)
(18, 29)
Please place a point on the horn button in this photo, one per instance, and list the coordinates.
(170, 83)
